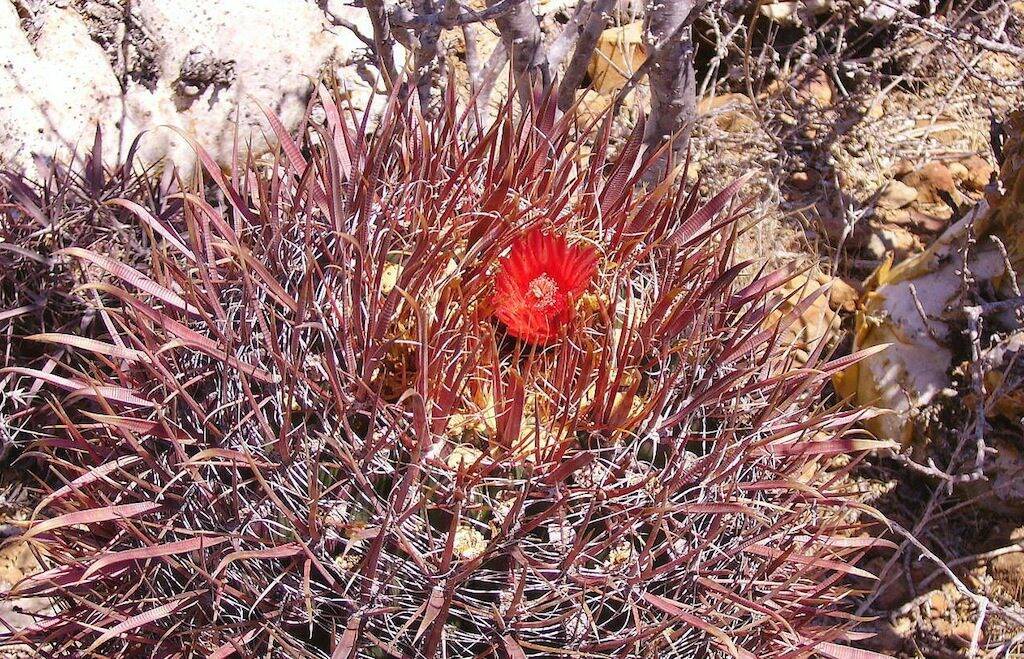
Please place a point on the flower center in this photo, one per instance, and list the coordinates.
(544, 290)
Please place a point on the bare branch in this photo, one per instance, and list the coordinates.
(559, 47)
(402, 17)
(933, 471)
(673, 84)
(524, 41)
(347, 24)
(594, 23)
(961, 35)
(384, 40)
(425, 52)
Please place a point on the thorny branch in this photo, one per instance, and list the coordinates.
(451, 18)
(534, 61)
(960, 34)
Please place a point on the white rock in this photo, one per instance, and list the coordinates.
(883, 12)
(46, 104)
(195, 66)
(781, 12)
(818, 7)
(905, 378)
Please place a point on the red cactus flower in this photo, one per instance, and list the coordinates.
(538, 283)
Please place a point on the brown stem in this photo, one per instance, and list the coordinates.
(473, 66)
(559, 47)
(383, 40)
(673, 85)
(586, 42)
(453, 17)
(524, 41)
(425, 55)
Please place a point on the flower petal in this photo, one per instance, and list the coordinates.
(523, 299)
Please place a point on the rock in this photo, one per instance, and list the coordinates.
(17, 562)
(931, 182)
(941, 129)
(875, 111)
(200, 69)
(902, 168)
(819, 322)
(896, 194)
(979, 173)
(708, 106)
(787, 119)
(938, 606)
(939, 210)
(620, 51)
(819, 7)
(999, 65)
(728, 112)
(736, 122)
(965, 631)
(914, 220)
(844, 294)
(781, 12)
(906, 377)
(831, 225)
(192, 65)
(45, 105)
(804, 181)
(1007, 570)
(958, 170)
(1004, 365)
(883, 12)
(592, 105)
(889, 240)
(813, 86)
(948, 135)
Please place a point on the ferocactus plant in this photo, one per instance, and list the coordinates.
(443, 392)
(69, 207)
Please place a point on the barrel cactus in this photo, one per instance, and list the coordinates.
(443, 391)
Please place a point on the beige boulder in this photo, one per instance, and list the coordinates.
(904, 308)
(191, 68)
(620, 52)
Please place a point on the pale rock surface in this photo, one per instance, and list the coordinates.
(883, 12)
(896, 194)
(53, 89)
(906, 377)
(876, 12)
(187, 67)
